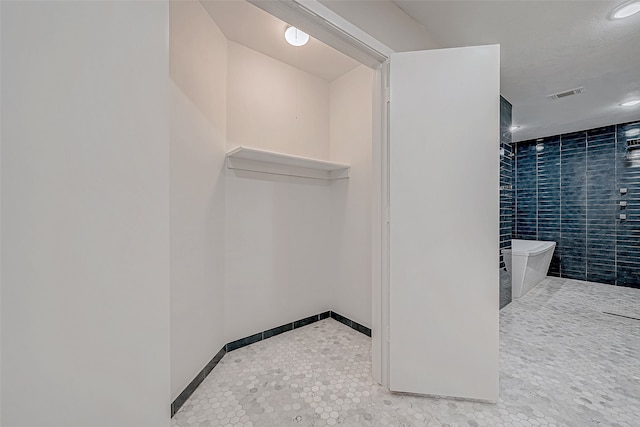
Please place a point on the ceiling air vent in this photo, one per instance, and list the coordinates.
(633, 144)
(566, 93)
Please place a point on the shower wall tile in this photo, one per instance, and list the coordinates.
(628, 230)
(548, 171)
(601, 205)
(573, 196)
(506, 197)
(567, 189)
(526, 222)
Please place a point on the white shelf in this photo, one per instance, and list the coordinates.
(251, 159)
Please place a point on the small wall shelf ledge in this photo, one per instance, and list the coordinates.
(251, 159)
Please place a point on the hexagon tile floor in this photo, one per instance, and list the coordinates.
(563, 363)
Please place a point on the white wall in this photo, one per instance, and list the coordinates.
(351, 112)
(277, 265)
(85, 224)
(0, 221)
(444, 203)
(97, 246)
(276, 107)
(277, 251)
(198, 69)
(387, 22)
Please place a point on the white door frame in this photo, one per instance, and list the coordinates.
(380, 277)
(332, 29)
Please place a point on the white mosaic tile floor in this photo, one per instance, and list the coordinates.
(563, 363)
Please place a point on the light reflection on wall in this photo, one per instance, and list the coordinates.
(632, 159)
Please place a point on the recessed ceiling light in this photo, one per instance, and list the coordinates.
(514, 127)
(631, 103)
(626, 9)
(296, 37)
(632, 132)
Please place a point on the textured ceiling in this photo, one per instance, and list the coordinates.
(245, 24)
(548, 47)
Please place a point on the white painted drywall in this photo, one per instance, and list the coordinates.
(0, 221)
(85, 223)
(278, 238)
(277, 228)
(198, 70)
(444, 136)
(351, 127)
(274, 106)
(387, 22)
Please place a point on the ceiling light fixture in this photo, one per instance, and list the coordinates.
(631, 103)
(296, 37)
(626, 9)
(514, 127)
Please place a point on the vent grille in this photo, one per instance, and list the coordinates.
(633, 144)
(566, 93)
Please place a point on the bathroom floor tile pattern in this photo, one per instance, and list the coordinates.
(562, 363)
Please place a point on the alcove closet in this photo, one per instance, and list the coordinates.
(306, 182)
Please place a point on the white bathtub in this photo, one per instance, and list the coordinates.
(528, 262)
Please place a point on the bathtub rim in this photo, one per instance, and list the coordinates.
(531, 250)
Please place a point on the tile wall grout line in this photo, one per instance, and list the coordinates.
(615, 221)
(560, 185)
(586, 205)
(591, 259)
(514, 179)
(537, 193)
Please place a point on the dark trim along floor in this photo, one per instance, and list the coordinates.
(242, 342)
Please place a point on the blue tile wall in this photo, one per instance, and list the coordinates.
(601, 205)
(548, 208)
(573, 206)
(627, 231)
(506, 197)
(526, 192)
(567, 189)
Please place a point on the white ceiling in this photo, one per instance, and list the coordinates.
(547, 47)
(245, 24)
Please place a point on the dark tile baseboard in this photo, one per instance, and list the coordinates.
(193, 385)
(350, 323)
(242, 342)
